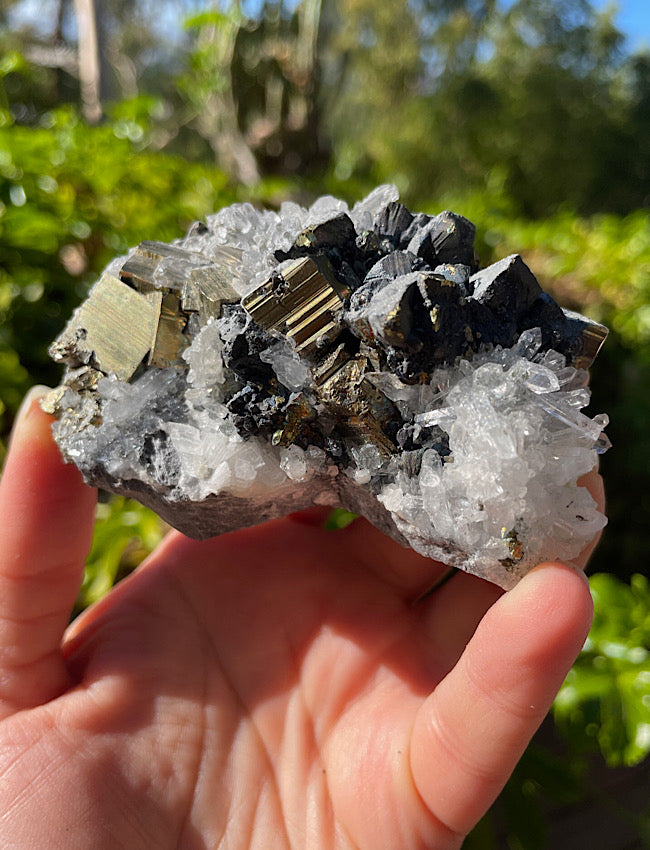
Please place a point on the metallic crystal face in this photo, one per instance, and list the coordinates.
(364, 411)
(515, 548)
(302, 303)
(169, 341)
(212, 284)
(142, 317)
(155, 262)
(591, 337)
(111, 331)
(299, 415)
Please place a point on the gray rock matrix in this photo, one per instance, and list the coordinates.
(270, 361)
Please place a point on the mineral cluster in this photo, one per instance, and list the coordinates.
(269, 361)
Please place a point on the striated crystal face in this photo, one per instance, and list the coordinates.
(347, 357)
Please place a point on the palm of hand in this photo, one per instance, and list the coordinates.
(276, 688)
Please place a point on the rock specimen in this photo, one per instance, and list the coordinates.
(271, 361)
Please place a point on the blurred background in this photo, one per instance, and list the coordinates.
(125, 120)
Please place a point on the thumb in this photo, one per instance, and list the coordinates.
(470, 733)
(47, 519)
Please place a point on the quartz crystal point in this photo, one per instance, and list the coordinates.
(270, 361)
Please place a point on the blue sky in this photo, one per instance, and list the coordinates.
(633, 16)
(633, 19)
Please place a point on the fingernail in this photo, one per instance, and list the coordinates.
(579, 570)
(28, 406)
(567, 565)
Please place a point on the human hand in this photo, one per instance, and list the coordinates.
(276, 687)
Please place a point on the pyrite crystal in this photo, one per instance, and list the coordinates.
(271, 361)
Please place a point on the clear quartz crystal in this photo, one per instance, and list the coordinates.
(204, 358)
(363, 212)
(291, 370)
(293, 463)
(540, 379)
(514, 425)
(324, 208)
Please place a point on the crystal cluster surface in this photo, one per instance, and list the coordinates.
(269, 361)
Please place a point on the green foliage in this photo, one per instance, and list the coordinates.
(125, 533)
(213, 17)
(605, 700)
(541, 93)
(339, 518)
(430, 94)
(541, 778)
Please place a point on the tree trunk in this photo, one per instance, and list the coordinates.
(217, 121)
(88, 59)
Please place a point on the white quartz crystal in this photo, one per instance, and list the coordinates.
(291, 370)
(363, 212)
(518, 444)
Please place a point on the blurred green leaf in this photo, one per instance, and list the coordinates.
(125, 533)
(12, 62)
(214, 17)
(605, 701)
(339, 518)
